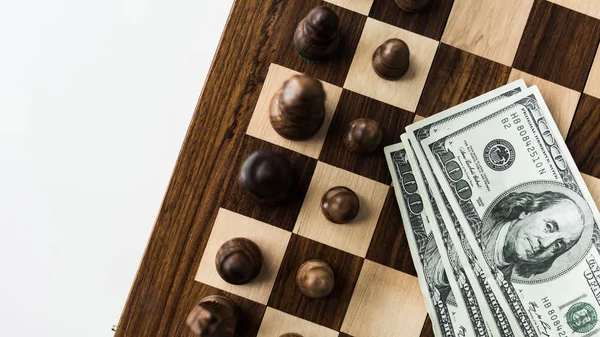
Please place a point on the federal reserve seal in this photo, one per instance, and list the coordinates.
(582, 317)
(499, 154)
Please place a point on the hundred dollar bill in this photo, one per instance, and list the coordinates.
(448, 312)
(445, 273)
(527, 214)
(482, 293)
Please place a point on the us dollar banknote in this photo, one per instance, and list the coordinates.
(450, 315)
(526, 213)
(496, 317)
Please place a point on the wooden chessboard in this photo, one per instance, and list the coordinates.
(459, 49)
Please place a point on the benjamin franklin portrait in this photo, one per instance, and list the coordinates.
(525, 232)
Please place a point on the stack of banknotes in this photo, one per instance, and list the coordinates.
(502, 229)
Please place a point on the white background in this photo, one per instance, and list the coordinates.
(95, 100)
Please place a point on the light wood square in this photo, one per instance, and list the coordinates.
(386, 302)
(561, 101)
(587, 7)
(260, 126)
(360, 6)
(489, 28)
(592, 87)
(593, 185)
(355, 236)
(276, 323)
(271, 240)
(403, 93)
(418, 118)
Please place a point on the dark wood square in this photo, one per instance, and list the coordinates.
(344, 335)
(328, 311)
(333, 71)
(351, 106)
(427, 328)
(250, 313)
(389, 245)
(583, 139)
(457, 76)
(281, 215)
(429, 22)
(558, 45)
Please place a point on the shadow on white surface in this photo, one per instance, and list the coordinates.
(95, 100)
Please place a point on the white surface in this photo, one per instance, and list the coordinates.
(95, 99)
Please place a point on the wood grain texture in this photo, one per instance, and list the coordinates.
(385, 304)
(283, 52)
(593, 185)
(561, 101)
(389, 245)
(282, 215)
(490, 29)
(457, 76)
(271, 240)
(403, 93)
(276, 323)
(559, 53)
(359, 6)
(593, 83)
(328, 311)
(350, 107)
(587, 7)
(584, 137)
(429, 22)
(355, 236)
(260, 126)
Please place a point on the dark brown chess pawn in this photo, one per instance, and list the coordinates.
(266, 177)
(317, 37)
(412, 5)
(363, 135)
(297, 110)
(238, 261)
(340, 205)
(214, 316)
(391, 59)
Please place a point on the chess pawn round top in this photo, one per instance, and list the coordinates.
(340, 205)
(363, 135)
(214, 316)
(297, 110)
(317, 37)
(412, 5)
(290, 335)
(266, 176)
(239, 261)
(315, 279)
(391, 59)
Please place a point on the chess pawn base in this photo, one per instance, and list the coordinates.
(288, 129)
(214, 316)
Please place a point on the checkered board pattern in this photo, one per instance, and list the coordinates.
(459, 49)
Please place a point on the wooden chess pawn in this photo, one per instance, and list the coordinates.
(239, 261)
(297, 110)
(266, 177)
(391, 59)
(290, 335)
(363, 135)
(315, 279)
(214, 316)
(340, 205)
(412, 5)
(317, 37)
